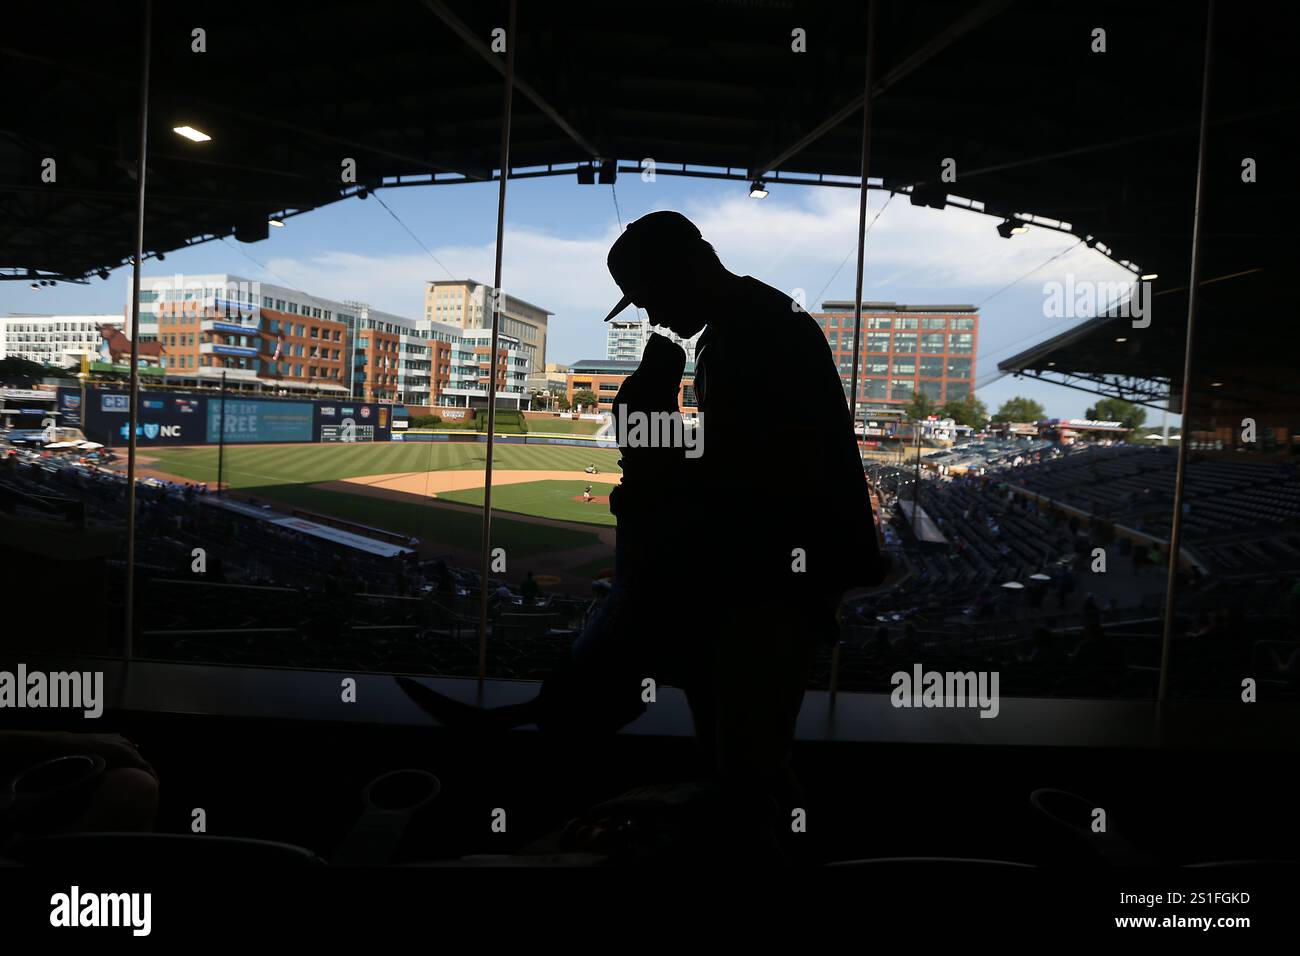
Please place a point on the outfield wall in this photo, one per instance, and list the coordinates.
(165, 417)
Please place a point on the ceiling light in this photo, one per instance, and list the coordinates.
(1121, 339)
(758, 190)
(1011, 227)
(1150, 276)
(190, 133)
(1216, 385)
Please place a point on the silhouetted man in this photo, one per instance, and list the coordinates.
(775, 559)
(760, 564)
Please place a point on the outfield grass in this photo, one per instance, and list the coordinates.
(251, 465)
(546, 499)
(285, 473)
(430, 522)
(561, 426)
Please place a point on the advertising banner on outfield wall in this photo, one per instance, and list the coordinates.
(162, 418)
(187, 418)
(258, 420)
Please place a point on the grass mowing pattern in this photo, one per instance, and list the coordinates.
(285, 472)
(252, 465)
(546, 499)
(447, 526)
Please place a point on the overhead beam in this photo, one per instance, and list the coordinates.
(927, 51)
(476, 43)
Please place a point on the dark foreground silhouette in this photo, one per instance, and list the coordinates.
(722, 586)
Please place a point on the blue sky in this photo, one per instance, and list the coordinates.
(558, 233)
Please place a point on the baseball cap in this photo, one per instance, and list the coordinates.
(647, 246)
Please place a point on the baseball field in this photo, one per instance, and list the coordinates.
(432, 491)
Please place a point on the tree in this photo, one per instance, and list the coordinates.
(20, 372)
(920, 407)
(562, 403)
(586, 398)
(1117, 410)
(1019, 409)
(966, 411)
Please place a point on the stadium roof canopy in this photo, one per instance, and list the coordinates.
(1101, 143)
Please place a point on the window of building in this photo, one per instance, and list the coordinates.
(931, 367)
(963, 323)
(932, 390)
(959, 367)
(934, 322)
(904, 341)
(905, 366)
(905, 322)
(932, 342)
(961, 342)
(878, 342)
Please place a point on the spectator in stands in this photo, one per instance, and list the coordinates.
(528, 588)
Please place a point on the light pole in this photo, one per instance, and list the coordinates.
(221, 437)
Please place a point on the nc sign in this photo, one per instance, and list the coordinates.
(151, 431)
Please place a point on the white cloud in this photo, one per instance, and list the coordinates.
(794, 239)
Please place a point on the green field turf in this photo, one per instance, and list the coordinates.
(546, 499)
(432, 523)
(285, 473)
(561, 426)
(251, 465)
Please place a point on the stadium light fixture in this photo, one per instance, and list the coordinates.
(278, 223)
(103, 274)
(1121, 339)
(1150, 276)
(758, 190)
(192, 134)
(1011, 227)
(586, 174)
(36, 286)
